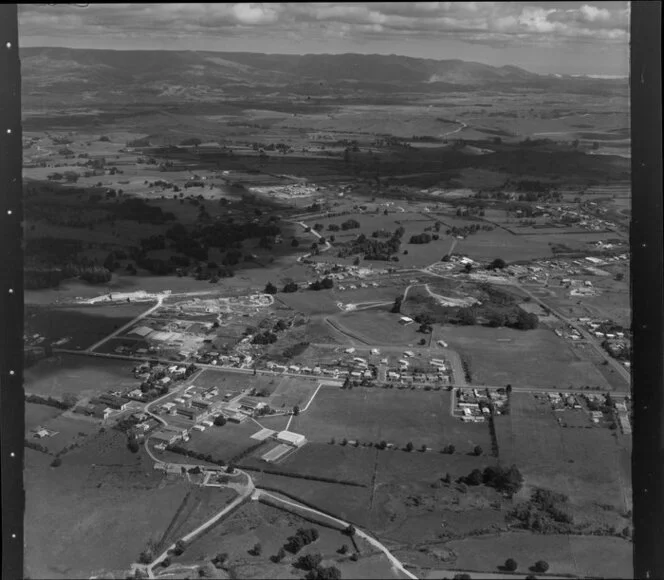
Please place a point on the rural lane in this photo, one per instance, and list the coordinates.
(129, 324)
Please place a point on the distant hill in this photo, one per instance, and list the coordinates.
(96, 75)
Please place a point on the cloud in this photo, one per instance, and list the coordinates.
(532, 23)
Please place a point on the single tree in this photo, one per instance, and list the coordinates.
(409, 446)
(541, 566)
(257, 550)
(477, 450)
(270, 288)
(510, 565)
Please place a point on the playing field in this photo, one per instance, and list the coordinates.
(377, 326)
(532, 358)
(398, 417)
(224, 442)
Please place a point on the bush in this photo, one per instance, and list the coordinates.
(510, 565)
(57, 462)
(541, 566)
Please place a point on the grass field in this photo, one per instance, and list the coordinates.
(224, 442)
(339, 462)
(398, 417)
(585, 464)
(228, 382)
(292, 391)
(83, 325)
(533, 358)
(70, 429)
(377, 326)
(81, 376)
(259, 523)
(603, 557)
(36, 415)
(102, 515)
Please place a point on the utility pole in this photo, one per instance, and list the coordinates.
(12, 421)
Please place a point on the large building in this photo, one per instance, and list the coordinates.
(290, 438)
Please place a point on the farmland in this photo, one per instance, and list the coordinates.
(496, 357)
(126, 501)
(82, 325)
(572, 461)
(420, 417)
(200, 174)
(77, 375)
(606, 557)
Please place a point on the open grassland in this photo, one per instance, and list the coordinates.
(84, 503)
(291, 391)
(70, 429)
(36, 415)
(603, 557)
(83, 325)
(532, 358)
(587, 465)
(224, 442)
(81, 376)
(377, 326)
(270, 527)
(228, 382)
(343, 463)
(396, 416)
(348, 503)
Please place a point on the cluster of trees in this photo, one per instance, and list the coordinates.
(68, 402)
(302, 537)
(468, 230)
(36, 446)
(136, 209)
(266, 337)
(505, 480)
(324, 284)
(496, 316)
(423, 238)
(291, 287)
(374, 249)
(350, 224)
(195, 454)
(546, 512)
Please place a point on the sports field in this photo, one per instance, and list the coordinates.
(532, 358)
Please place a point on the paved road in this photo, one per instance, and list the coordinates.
(396, 564)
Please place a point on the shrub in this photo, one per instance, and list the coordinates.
(541, 566)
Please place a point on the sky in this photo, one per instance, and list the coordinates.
(543, 37)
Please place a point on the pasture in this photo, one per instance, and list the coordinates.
(532, 358)
(396, 416)
(36, 415)
(375, 327)
(70, 429)
(292, 391)
(78, 375)
(82, 325)
(585, 464)
(603, 557)
(84, 505)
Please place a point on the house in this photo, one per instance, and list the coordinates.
(290, 438)
(200, 404)
(191, 413)
(101, 412)
(237, 417)
(112, 401)
(169, 434)
(251, 404)
(136, 395)
(404, 320)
